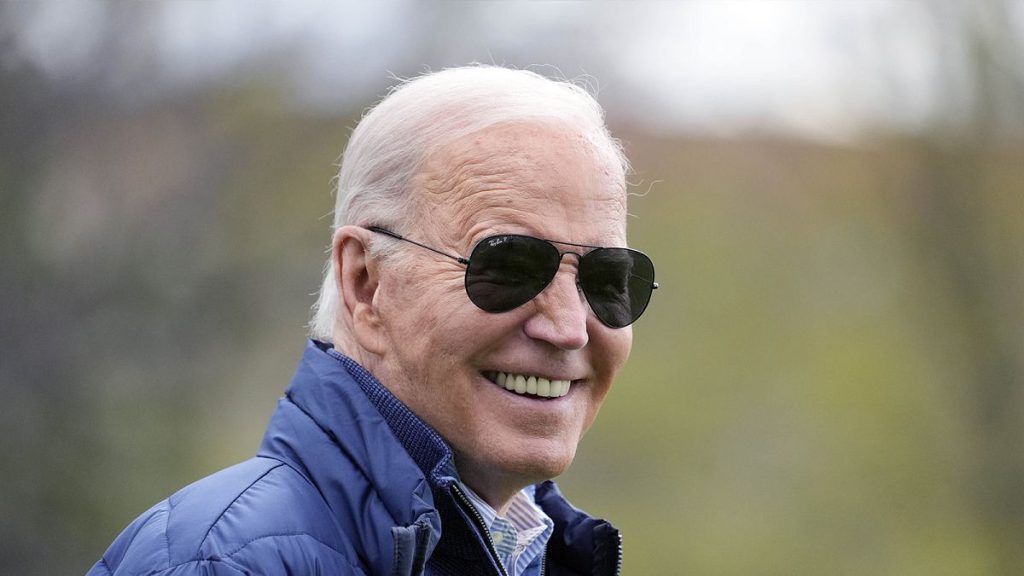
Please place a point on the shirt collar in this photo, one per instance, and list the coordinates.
(522, 534)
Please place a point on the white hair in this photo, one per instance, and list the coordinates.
(420, 116)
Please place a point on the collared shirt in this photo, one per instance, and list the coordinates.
(520, 536)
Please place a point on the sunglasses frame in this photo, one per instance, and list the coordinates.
(466, 262)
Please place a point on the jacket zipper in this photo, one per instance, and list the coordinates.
(618, 562)
(482, 528)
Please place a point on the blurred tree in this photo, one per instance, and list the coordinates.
(97, 196)
(958, 222)
(38, 408)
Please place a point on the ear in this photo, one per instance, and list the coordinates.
(356, 275)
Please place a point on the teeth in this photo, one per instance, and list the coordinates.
(536, 386)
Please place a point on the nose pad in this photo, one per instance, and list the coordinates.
(561, 312)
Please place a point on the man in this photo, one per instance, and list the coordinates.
(474, 312)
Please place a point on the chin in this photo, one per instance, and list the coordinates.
(539, 463)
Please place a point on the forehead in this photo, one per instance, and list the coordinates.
(549, 180)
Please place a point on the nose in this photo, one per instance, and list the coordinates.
(561, 312)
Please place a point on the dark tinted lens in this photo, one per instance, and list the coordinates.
(617, 283)
(508, 271)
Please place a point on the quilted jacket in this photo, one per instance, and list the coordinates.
(347, 481)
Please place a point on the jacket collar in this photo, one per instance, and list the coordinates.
(324, 387)
(425, 446)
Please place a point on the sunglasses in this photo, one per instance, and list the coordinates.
(508, 270)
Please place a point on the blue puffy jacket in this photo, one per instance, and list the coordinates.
(347, 481)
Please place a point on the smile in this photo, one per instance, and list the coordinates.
(529, 385)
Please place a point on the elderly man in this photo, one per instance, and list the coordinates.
(474, 313)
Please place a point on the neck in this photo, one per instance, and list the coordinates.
(497, 495)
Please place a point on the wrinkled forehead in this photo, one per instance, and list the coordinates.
(526, 175)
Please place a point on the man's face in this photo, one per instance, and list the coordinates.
(443, 353)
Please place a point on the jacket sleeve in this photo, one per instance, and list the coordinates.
(99, 569)
(196, 568)
(212, 568)
(203, 568)
(224, 568)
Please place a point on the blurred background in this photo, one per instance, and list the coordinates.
(829, 382)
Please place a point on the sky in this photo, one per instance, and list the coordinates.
(830, 70)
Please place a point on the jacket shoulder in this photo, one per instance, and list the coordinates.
(259, 514)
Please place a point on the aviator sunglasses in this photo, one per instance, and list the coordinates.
(508, 270)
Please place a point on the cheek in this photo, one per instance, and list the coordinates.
(413, 296)
(404, 312)
(609, 353)
(612, 349)
(428, 319)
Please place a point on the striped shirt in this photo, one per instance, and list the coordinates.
(520, 536)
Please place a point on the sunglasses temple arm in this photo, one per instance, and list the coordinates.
(386, 232)
(654, 285)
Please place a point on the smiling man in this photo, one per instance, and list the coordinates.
(475, 310)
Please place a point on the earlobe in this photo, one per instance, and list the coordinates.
(356, 275)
